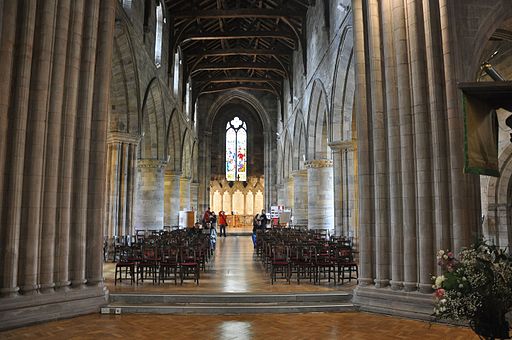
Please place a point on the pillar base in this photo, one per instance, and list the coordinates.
(413, 305)
(51, 306)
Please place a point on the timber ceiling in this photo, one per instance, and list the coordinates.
(237, 44)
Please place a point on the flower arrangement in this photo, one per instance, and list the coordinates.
(476, 287)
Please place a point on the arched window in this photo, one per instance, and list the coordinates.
(236, 150)
(159, 33)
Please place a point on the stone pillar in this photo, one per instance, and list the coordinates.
(172, 198)
(53, 151)
(320, 194)
(184, 193)
(281, 193)
(149, 194)
(289, 193)
(337, 160)
(13, 176)
(194, 193)
(121, 170)
(379, 146)
(56, 63)
(36, 133)
(300, 197)
(97, 150)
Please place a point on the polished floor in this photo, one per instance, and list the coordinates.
(234, 268)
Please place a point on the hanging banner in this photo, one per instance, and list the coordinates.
(480, 102)
(480, 137)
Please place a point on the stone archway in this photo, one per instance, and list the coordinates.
(149, 188)
(123, 135)
(260, 114)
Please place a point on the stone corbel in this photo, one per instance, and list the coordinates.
(123, 137)
(318, 163)
(151, 163)
(339, 145)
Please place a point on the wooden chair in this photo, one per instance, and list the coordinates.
(346, 264)
(169, 264)
(148, 266)
(280, 263)
(189, 264)
(125, 265)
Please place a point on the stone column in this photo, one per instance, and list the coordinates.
(289, 193)
(423, 143)
(172, 198)
(204, 169)
(53, 150)
(281, 193)
(121, 170)
(184, 193)
(337, 160)
(407, 151)
(97, 149)
(78, 228)
(13, 187)
(320, 194)
(379, 146)
(194, 192)
(35, 141)
(394, 157)
(149, 194)
(300, 197)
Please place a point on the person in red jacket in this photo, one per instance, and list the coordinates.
(222, 223)
(206, 218)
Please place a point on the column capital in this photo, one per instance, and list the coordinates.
(343, 145)
(151, 163)
(123, 137)
(318, 163)
(300, 173)
(185, 179)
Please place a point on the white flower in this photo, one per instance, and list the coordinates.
(442, 301)
(461, 285)
(441, 253)
(439, 281)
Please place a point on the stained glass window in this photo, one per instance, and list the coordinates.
(236, 150)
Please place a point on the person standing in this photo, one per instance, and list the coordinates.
(222, 223)
(206, 218)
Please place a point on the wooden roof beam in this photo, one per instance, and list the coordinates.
(239, 66)
(235, 87)
(237, 35)
(240, 51)
(263, 13)
(222, 80)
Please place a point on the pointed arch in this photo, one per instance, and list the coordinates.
(343, 89)
(186, 154)
(299, 142)
(125, 115)
(153, 144)
(318, 124)
(173, 138)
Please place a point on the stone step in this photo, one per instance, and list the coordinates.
(229, 298)
(221, 309)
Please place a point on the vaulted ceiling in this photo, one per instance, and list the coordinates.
(237, 44)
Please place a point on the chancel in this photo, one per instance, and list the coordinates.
(365, 134)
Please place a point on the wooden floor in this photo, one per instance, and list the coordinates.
(321, 326)
(235, 269)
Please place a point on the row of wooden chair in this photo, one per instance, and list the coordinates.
(164, 257)
(287, 252)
